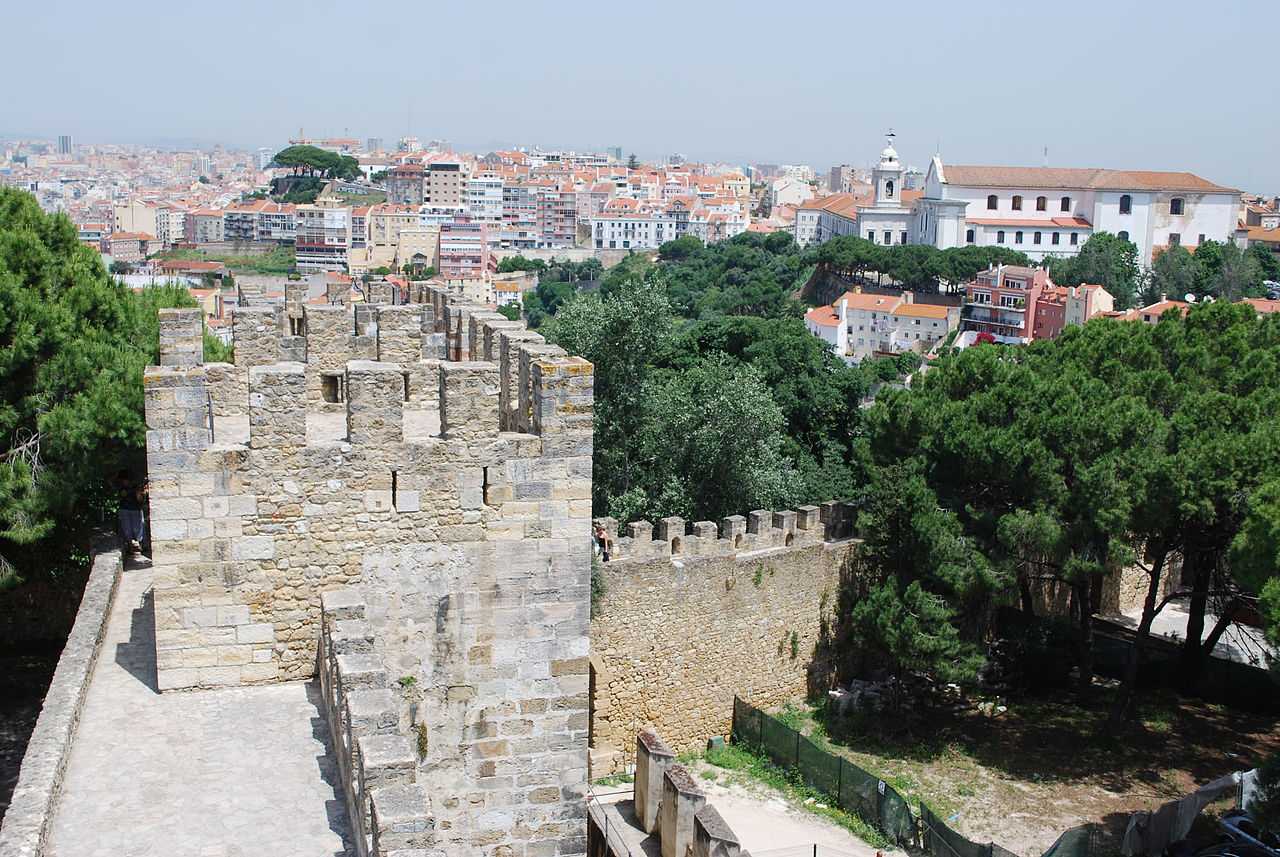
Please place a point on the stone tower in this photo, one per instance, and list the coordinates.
(399, 500)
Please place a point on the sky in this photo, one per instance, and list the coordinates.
(1126, 84)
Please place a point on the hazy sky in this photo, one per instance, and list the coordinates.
(1125, 84)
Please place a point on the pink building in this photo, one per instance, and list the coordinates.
(463, 252)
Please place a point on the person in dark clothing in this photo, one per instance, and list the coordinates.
(133, 499)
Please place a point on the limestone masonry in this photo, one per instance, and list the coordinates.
(689, 619)
(399, 496)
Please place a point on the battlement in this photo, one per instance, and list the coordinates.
(760, 530)
(431, 462)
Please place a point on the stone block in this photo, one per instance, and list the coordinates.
(681, 800)
(261, 632)
(653, 757)
(253, 547)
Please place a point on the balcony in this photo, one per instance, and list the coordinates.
(984, 314)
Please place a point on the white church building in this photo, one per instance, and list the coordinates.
(1042, 211)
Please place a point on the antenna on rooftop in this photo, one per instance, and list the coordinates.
(1046, 156)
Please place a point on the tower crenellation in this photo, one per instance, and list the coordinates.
(369, 512)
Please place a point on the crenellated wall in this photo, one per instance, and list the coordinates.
(693, 614)
(466, 544)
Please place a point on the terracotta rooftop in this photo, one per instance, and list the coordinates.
(1072, 177)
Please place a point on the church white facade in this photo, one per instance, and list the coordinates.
(1042, 211)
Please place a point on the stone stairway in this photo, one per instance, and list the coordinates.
(378, 763)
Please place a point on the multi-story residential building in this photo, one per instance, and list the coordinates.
(859, 325)
(623, 226)
(171, 225)
(259, 220)
(463, 252)
(276, 222)
(788, 191)
(446, 183)
(129, 246)
(136, 215)
(557, 216)
(1060, 306)
(92, 234)
(240, 221)
(841, 179)
(591, 199)
(519, 216)
(484, 198)
(405, 184)
(205, 226)
(322, 237)
(1001, 301)
(386, 225)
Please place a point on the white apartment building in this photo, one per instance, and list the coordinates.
(788, 191)
(484, 198)
(323, 236)
(860, 325)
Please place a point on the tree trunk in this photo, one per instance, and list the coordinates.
(1124, 701)
(1192, 649)
(1084, 603)
(1024, 592)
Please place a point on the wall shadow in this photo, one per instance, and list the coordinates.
(138, 654)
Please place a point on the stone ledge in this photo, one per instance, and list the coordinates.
(26, 823)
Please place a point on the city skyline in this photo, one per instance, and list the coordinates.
(730, 90)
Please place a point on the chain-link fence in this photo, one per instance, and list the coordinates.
(872, 799)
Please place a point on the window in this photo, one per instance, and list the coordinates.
(871, 236)
(1126, 204)
(1056, 238)
(331, 388)
(1122, 235)
(1035, 239)
(903, 236)
(1174, 239)
(968, 236)
(1175, 205)
(1017, 238)
(888, 188)
(1066, 203)
(888, 237)
(1000, 237)
(991, 202)
(1041, 203)
(1017, 203)
(1075, 238)
(1201, 239)
(982, 297)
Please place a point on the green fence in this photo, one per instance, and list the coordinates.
(853, 789)
(871, 798)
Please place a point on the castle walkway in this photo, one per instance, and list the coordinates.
(215, 773)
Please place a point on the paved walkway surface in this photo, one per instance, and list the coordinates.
(219, 773)
(1238, 643)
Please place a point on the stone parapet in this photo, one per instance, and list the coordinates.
(31, 809)
(761, 530)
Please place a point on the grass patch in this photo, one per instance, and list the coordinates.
(281, 260)
(614, 780)
(747, 765)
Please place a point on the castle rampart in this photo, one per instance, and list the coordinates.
(458, 688)
(693, 614)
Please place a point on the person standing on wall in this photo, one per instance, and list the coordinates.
(133, 498)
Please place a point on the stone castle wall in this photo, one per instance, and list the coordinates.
(448, 493)
(689, 619)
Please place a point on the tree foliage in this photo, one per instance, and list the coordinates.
(1116, 444)
(1105, 260)
(73, 343)
(320, 163)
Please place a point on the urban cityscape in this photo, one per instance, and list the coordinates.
(655, 446)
